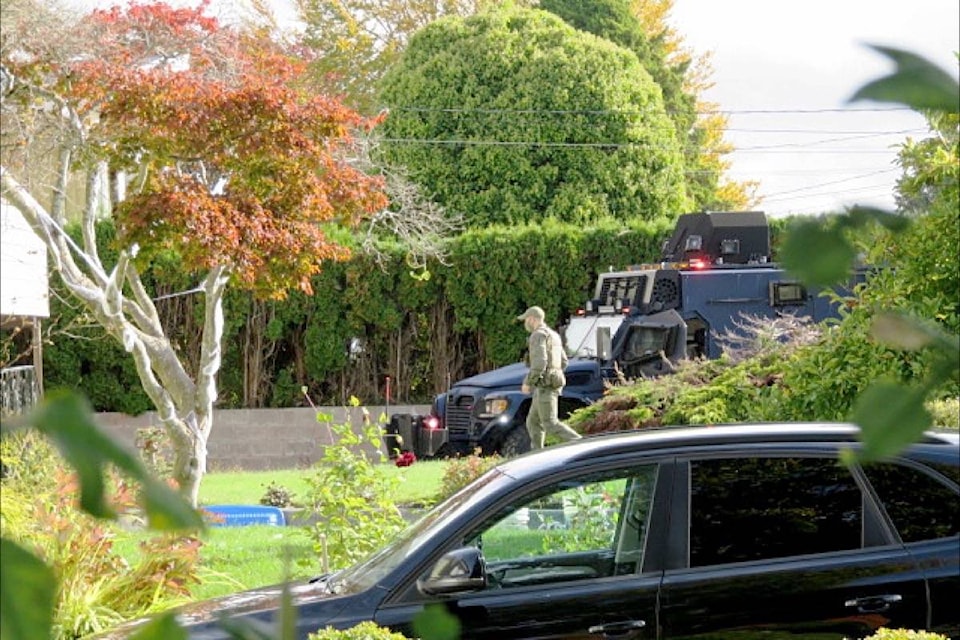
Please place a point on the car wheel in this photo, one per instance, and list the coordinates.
(516, 442)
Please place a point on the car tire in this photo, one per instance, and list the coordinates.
(516, 442)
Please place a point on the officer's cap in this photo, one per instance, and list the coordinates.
(532, 312)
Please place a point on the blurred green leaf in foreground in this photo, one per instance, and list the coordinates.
(890, 413)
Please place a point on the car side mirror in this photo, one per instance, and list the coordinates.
(458, 571)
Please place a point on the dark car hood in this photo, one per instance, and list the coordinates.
(512, 375)
(265, 599)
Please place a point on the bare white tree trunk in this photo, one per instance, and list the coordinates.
(119, 302)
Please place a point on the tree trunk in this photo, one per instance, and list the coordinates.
(190, 456)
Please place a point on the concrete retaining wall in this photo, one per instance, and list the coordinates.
(261, 439)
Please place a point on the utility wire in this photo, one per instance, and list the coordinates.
(873, 188)
(634, 112)
(887, 132)
(466, 142)
(832, 182)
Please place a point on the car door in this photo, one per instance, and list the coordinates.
(564, 560)
(783, 545)
(922, 500)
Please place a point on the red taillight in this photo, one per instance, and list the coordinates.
(699, 264)
(431, 422)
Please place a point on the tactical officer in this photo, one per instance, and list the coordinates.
(547, 361)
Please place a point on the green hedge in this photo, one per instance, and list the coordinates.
(422, 332)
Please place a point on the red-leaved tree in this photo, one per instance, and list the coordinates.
(197, 139)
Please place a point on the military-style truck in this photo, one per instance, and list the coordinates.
(715, 269)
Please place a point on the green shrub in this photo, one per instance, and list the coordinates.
(97, 589)
(277, 495)
(363, 631)
(455, 324)
(945, 413)
(351, 499)
(904, 634)
(29, 461)
(461, 471)
(155, 449)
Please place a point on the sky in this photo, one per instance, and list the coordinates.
(784, 73)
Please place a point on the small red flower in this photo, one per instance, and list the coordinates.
(405, 459)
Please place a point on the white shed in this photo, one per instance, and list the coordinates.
(24, 300)
(24, 289)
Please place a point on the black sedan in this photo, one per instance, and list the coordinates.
(707, 532)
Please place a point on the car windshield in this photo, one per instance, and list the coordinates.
(645, 341)
(369, 572)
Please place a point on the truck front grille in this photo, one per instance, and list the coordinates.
(459, 410)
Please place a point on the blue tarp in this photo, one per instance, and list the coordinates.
(240, 515)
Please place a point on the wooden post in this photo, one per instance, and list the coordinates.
(37, 342)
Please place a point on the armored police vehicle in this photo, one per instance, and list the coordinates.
(715, 270)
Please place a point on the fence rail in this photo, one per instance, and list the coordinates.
(19, 391)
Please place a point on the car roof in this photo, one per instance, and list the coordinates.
(651, 439)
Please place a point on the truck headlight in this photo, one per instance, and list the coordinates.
(493, 407)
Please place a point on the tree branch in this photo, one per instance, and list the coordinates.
(143, 310)
(210, 354)
(421, 224)
(96, 198)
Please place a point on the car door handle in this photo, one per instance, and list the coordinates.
(617, 628)
(873, 604)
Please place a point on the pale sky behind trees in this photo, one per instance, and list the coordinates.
(784, 72)
(800, 61)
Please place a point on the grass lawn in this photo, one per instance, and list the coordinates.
(238, 558)
(416, 484)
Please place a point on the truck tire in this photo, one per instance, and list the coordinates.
(516, 442)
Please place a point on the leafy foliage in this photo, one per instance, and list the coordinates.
(929, 350)
(242, 170)
(904, 634)
(277, 495)
(362, 631)
(153, 444)
(617, 21)
(914, 82)
(33, 582)
(842, 376)
(197, 139)
(512, 116)
(354, 42)
(422, 333)
(591, 515)
(61, 556)
(462, 470)
(350, 498)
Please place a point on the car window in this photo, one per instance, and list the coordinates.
(748, 509)
(590, 527)
(921, 507)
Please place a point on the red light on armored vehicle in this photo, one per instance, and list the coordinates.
(699, 264)
(431, 422)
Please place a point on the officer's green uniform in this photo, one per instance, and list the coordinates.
(547, 361)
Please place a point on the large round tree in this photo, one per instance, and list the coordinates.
(512, 116)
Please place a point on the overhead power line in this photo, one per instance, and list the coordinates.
(467, 142)
(887, 132)
(634, 112)
(876, 189)
(831, 183)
